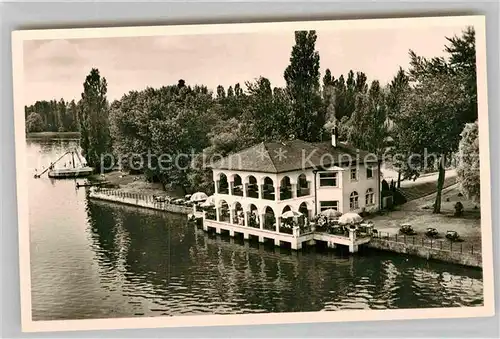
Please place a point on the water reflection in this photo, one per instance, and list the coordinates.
(183, 270)
(94, 259)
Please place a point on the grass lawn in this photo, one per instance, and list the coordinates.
(134, 183)
(419, 214)
(424, 187)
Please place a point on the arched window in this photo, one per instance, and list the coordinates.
(238, 215)
(253, 216)
(303, 209)
(268, 189)
(223, 211)
(252, 187)
(302, 186)
(354, 201)
(237, 185)
(370, 197)
(223, 187)
(269, 219)
(285, 188)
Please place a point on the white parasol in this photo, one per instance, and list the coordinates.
(209, 202)
(199, 196)
(350, 218)
(291, 214)
(331, 213)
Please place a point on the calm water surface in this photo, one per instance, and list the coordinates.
(99, 260)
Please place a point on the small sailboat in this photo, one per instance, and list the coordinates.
(68, 172)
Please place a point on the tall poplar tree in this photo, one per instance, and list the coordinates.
(95, 137)
(302, 83)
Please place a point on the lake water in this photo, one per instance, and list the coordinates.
(99, 260)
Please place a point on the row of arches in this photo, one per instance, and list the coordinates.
(266, 189)
(265, 218)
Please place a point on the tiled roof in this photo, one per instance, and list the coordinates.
(279, 157)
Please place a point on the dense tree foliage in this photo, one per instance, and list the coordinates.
(34, 123)
(153, 129)
(93, 115)
(56, 116)
(468, 170)
(437, 107)
(397, 91)
(171, 133)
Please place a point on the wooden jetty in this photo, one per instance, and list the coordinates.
(67, 172)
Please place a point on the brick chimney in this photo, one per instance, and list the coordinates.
(334, 136)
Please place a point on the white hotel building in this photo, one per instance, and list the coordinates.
(254, 187)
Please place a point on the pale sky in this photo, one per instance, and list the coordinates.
(56, 69)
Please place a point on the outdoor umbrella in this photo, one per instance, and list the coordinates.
(199, 196)
(210, 202)
(350, 218)
(291, 214)
(331, 213)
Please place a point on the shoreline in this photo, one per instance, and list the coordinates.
(137, 200)
(41, 135)
(410, 248)
(456, 257)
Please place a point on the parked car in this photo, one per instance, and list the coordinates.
(431, 232)
(178, 201)
(407, 229)
(452, 235)
(161, 198)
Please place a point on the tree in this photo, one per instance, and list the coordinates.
(34, 123)
(72, 116)
(366, 128)
(95, 137)
(268, 111)
(438, 106)
(340, 95)
(397, 91)
(163, 128)
(221, 93)
(302, 83)
(429, 125)
(61, 116)
(238, 90)
(361, 82)
(468, 173)
(462, 61)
